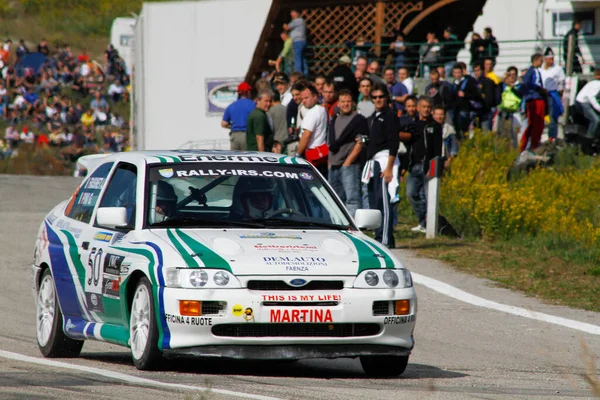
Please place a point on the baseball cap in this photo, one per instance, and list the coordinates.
(345, 59)
(244, 87)
(281, 77)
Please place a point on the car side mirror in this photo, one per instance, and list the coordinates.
(367, 219)
(112, 217)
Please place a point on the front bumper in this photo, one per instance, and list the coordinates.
(334, 323)
(286, 352)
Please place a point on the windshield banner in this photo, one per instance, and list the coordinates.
(216, 170)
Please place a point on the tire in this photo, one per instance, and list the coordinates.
(384, 366)
(143, 329)
(51, 338)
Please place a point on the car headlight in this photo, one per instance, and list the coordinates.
(200, 278)
(221, 278)
(391, 278)
(371, 278)
(384, 278)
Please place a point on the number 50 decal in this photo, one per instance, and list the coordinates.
(95, 264)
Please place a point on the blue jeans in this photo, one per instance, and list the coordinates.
(553, 126)
(593, 118)
(346, 183)
(448, 68)
(416, 191)
(300, 64)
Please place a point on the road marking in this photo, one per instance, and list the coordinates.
(465, 297)
(127, 378)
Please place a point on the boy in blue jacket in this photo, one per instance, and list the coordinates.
(534, 96)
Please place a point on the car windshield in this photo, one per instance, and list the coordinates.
(241, 195)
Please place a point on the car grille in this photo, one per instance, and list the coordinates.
(296, 330)
(281, 285)
(300, 303)
(382, 308)
(213, 307)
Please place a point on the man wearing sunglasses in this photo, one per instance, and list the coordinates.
(381, 169)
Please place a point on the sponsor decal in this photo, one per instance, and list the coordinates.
(295, 263)
(306, 176)
(192, 321)
(286, 248)
(65, 225)
(236, 172)
(112, 264)
(70, 325)
(166, 172)
(94, 183)
(248, 314)
(94, 301)
(399, 320)
(234, 158)
(308, 297)
(51, 218)
(103, 236)
(86, 199)
(268, 235)
(117, 238)
(111, 287)
(301, 315)
(237, 310)
(43, 245)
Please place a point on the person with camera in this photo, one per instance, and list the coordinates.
(381, 168)
(347, 129)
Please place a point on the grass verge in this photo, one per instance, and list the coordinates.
(542, 267)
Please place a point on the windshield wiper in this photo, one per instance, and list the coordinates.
(299, 223)
(201, 223)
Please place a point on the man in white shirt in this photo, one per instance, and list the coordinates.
(587, 101)
(553, 78)
(282, 84)
(406, 80)
(313, 132)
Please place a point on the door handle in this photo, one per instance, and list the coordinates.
(85, 245)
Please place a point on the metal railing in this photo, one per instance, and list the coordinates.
(510, 53)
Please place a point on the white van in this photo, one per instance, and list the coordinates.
(122, 37)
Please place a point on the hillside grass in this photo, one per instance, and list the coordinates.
(83, 24)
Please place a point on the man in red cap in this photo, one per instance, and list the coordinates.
(236, 115)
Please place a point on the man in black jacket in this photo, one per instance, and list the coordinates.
(343, 77)
(381, 170)
(426, 143)
(487, 91)
(574, 32)
(346, 132)
(468, 100)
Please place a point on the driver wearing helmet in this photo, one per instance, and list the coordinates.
(253, 197)
(166, 201)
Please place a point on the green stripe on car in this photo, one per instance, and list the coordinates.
(209, 258)
(151, 271)
(367, 257)
(187, 257)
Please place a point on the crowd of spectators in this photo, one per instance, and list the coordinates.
(366, 128)
(50, 97)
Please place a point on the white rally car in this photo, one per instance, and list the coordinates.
(218, 254)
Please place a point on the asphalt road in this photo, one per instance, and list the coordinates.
(462, 351)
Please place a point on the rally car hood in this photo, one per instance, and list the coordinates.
(279, 252)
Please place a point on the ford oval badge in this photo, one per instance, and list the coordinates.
(298, 282)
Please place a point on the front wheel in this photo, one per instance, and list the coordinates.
(143, 329)
(384, 366)
(51, 338)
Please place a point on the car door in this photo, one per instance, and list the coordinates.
(103, 277)
(77, 231)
